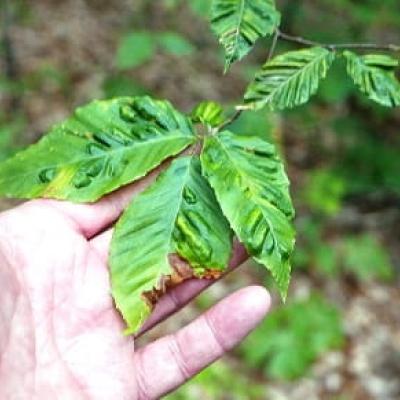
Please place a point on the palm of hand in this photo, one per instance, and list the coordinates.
(77, 350)
(62, 337)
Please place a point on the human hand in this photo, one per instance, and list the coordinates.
(60, 334)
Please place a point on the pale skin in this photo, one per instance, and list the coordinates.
(60, 335)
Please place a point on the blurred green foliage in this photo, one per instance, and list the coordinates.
(121, 85)
(337, 87)
(293, 337)
(258, 123)
(360, 255)
(173, 43)
(199, 7)
(134, 49)
(137, 48)
(324, 191)
(365, 257)
(376, 162)
(220, 381)
(9, 131)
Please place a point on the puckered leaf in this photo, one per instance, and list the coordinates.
(208, 112)
(374, 74)
(289, 79)
(103, 146)
(178, 214)
(251, 186)
(239, 23)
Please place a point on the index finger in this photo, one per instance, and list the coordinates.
(92, 218)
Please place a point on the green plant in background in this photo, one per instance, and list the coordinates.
(137, 48)
(293, 337)
(362, 255)
(377, 163)
(224, 183)
(324, 191)
(220, 381)
(118, 85)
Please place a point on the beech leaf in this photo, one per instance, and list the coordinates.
(102, 147)
(289, 79)
(239, 23)
(177, 215)
(251, 186)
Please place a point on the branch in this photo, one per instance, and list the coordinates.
(273, 44)
(333, 46)
(230, 120)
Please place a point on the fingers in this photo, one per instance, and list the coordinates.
(91, 219)
(167, 363)
(176, 298)
(101, 244)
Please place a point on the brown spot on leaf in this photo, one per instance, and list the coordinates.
(211, 274)
(182, 271)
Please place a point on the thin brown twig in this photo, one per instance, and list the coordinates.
(333, 46)
(230, 120)
(306, 42)
(273, 44)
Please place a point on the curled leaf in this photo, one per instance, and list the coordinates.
(251, 186)
(289, 79)
(177, 216)
(374, 75)
(239, 23)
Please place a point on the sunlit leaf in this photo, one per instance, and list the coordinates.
(289, 79)
(251, 186)
(374, 75)
(103, 146)
(239, 23)
(178, 214)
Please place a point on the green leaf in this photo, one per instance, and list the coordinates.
(251, 186)
(208, 112)
(176, 44)
(289, 79)
(177, 214)
(239, 23)
(134, 49)
(374, 74)
(103, 146)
